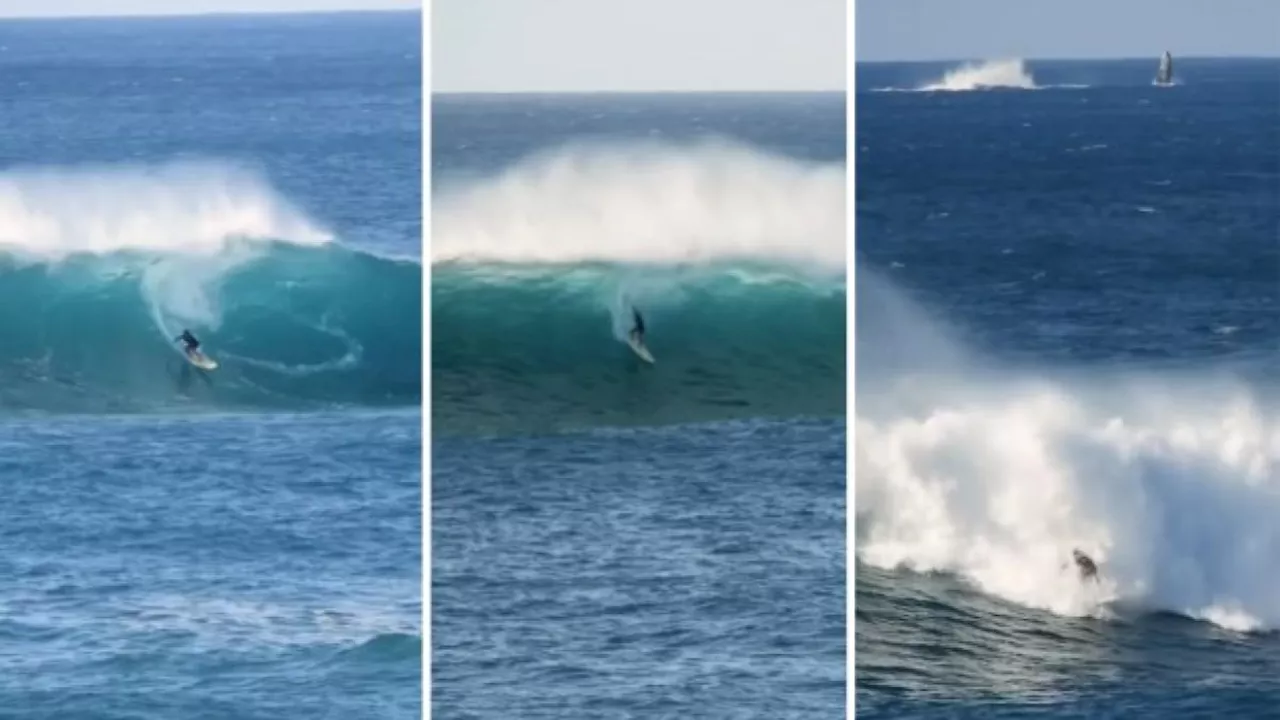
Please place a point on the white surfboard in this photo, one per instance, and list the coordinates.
(640, 350)
(200, 360)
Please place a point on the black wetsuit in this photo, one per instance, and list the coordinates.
(189, 341)
(1088, 569)
(638, 331)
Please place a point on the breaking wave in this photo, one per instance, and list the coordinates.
(1169, 479)
(101, 266)
(735, 258)
(986, 75)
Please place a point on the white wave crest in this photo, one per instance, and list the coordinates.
(647, 202)
(986, 75)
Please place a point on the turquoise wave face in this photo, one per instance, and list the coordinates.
(291, 326)
(524, 349)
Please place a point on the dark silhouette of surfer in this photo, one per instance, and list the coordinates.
(189, 342)
(637, 330)
(190, 346)
(1085, 564)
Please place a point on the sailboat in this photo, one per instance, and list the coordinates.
(1164, 75)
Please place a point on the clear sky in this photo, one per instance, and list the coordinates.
(985, 29)
(70, 8)
(637, 45)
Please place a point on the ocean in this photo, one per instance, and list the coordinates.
(1068, 335)
(243, 543)
(612, 538)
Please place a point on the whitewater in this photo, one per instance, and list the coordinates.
(983, 75)
(1169, 479)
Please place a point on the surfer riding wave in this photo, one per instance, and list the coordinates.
(191, 348)
(189, 342)
(635, 337)
(637, 330)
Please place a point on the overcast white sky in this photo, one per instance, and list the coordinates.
(69, 8)
(977, 29)
(637, 45)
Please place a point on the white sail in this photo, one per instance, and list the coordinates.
(1164, 76)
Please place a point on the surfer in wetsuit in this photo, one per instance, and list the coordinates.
(1088, 569)
(189, 341)
(637, 330)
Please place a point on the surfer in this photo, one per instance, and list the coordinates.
(191, 348)
(637, 330)
(1088, 569)
(189, 341)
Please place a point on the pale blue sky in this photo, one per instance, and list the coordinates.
(637, 45)
(72, 8)
(978, 29)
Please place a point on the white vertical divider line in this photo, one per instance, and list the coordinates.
(425, 110)
(851, 281)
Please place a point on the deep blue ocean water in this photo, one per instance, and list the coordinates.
(612, 538)
(1068, 319)
(243, 543)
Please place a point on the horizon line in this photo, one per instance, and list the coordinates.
(1091, 58)
(802, 91)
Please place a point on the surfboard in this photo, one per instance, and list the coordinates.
(640, 350)
(200, 360)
